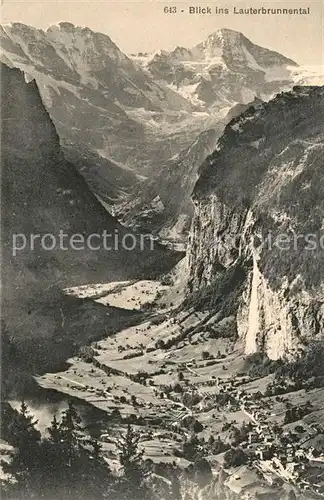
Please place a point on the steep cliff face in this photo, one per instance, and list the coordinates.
(129, 123)
(42, 195)
(163, 205)
(121, 120)
(99, 100)
(257, 233)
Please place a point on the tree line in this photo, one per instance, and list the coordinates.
(67, 462)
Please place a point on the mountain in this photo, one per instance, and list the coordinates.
(225, 68)
(42, 194)
(163, 205)
(129, 123)
(125, 109)
(256, 245)
(222, 77)
(98, 99)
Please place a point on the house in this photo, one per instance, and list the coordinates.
(300, 453)
(263, 453)
(253, 437)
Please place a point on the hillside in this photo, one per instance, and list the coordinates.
(240, 359)
(181, 375)
(98, 98)
(163, 205)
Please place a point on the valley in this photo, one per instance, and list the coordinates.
(191, 367)
(177, 383)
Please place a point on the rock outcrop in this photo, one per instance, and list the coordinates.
(257, 234)
(42, 193)
(163, 205)
(100, 101)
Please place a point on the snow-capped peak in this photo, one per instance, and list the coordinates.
(224, 35)
(236, 50)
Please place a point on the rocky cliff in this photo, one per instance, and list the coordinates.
(163, 205)
(43, 194)
(99, 100)
(256, 248)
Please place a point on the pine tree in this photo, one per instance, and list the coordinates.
(23, 429)
(54, 465)
(75, 465)
(130, 458)
(25, 464)
(67, 464)
(54, 431)
(64, 454)
(97, 474)
(70, 429)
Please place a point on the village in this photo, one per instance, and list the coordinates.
(181, 386)
(294, 454)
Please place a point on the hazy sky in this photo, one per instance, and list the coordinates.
(143, 26)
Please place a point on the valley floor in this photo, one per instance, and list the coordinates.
(171, 380)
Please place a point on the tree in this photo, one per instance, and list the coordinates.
(54, 431)
(235, 457)
(130, 458)
(74, 462)
(192, 448)
(23, 429)
(203, 472)
(216, 446)
(67, 463)
(25, 464)
(129, 455)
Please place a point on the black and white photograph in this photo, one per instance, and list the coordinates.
(162, 250)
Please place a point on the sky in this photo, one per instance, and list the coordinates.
(143, 26)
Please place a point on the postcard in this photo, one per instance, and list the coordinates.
(162, 244)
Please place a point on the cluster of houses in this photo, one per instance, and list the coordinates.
(271, 448)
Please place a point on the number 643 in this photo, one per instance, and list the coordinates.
(170, 10)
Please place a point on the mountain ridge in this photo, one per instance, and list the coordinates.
(124, 121)
(43, 194)
(214, 62)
